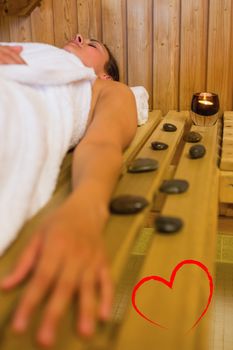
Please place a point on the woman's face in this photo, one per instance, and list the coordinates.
(91, 52)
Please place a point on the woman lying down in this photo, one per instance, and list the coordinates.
(50, 101)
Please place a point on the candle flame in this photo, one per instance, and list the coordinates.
(205, 102)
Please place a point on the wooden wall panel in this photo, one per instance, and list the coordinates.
(65, 21)
(90, 18)
(166, 54)
(42, 23)
(220, 58)
(114, 32)
(140, 19)
(194, 34)
(20, 29)
(4, 29)
(172, 47)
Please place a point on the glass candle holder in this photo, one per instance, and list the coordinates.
(204, 108)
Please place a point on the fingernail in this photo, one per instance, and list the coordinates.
(46, 337)
(19, 324)
(87, 328)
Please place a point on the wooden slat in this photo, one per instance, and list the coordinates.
(194, 21)
(90, 18)
(114, 32)
(20, 29)
(220, 60)
(139, 19)
(4, 29)
(166, 54)
(198, 209)
(226, 187)
(65, 21)
(144, 185)
(227, 145)
(42, 23)
(143, 133)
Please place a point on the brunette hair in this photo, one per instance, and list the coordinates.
(111, 66)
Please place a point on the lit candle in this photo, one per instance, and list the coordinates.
(204, 108)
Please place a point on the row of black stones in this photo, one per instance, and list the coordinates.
(130, 204)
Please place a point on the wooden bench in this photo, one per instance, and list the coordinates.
(198, 208)
(226, 175)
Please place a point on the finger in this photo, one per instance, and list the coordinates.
(87, 303)
(60, 299)
(6, 58)
(10, 55)
(106, 294)
(16, 48)
(24, 265)
(43, 278)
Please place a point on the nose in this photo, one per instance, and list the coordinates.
(80, 39)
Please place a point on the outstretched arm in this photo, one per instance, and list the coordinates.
(66, 254)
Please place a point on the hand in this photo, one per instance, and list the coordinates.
(67, 254)
(11, 55)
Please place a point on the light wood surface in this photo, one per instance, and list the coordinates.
(172, 47)
(193, 69)
(114, 12)
(198, 209)
(90, 18)
(139, 36)
(227, 145)
(166, 52)
(219, 79)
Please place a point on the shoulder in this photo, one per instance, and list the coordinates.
(113, 115)
(102, 86)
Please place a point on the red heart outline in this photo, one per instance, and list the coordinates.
(170, 285)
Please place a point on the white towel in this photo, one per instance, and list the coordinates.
(142, 97)
(39, 121)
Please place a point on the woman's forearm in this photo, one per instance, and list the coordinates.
(96, 168)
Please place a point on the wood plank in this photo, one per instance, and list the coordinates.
(194, 30)
(227, 144)
(20, 29)
(145, 185)
(166, 54)
(4, 29)
(65, 21)
(143, 133)
(42, 23)
(139, 19)
(226, 187)
(195, 241)
(90, 18)
(220, 60)
(114, 32)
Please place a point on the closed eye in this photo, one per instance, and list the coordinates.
(92, 45)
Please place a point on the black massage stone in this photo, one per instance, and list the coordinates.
(197, 151)
(141, 165)
(158, 146)
(168, 224)
(128, 204)
(169, 127)
(174, 186)
(192, 137)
